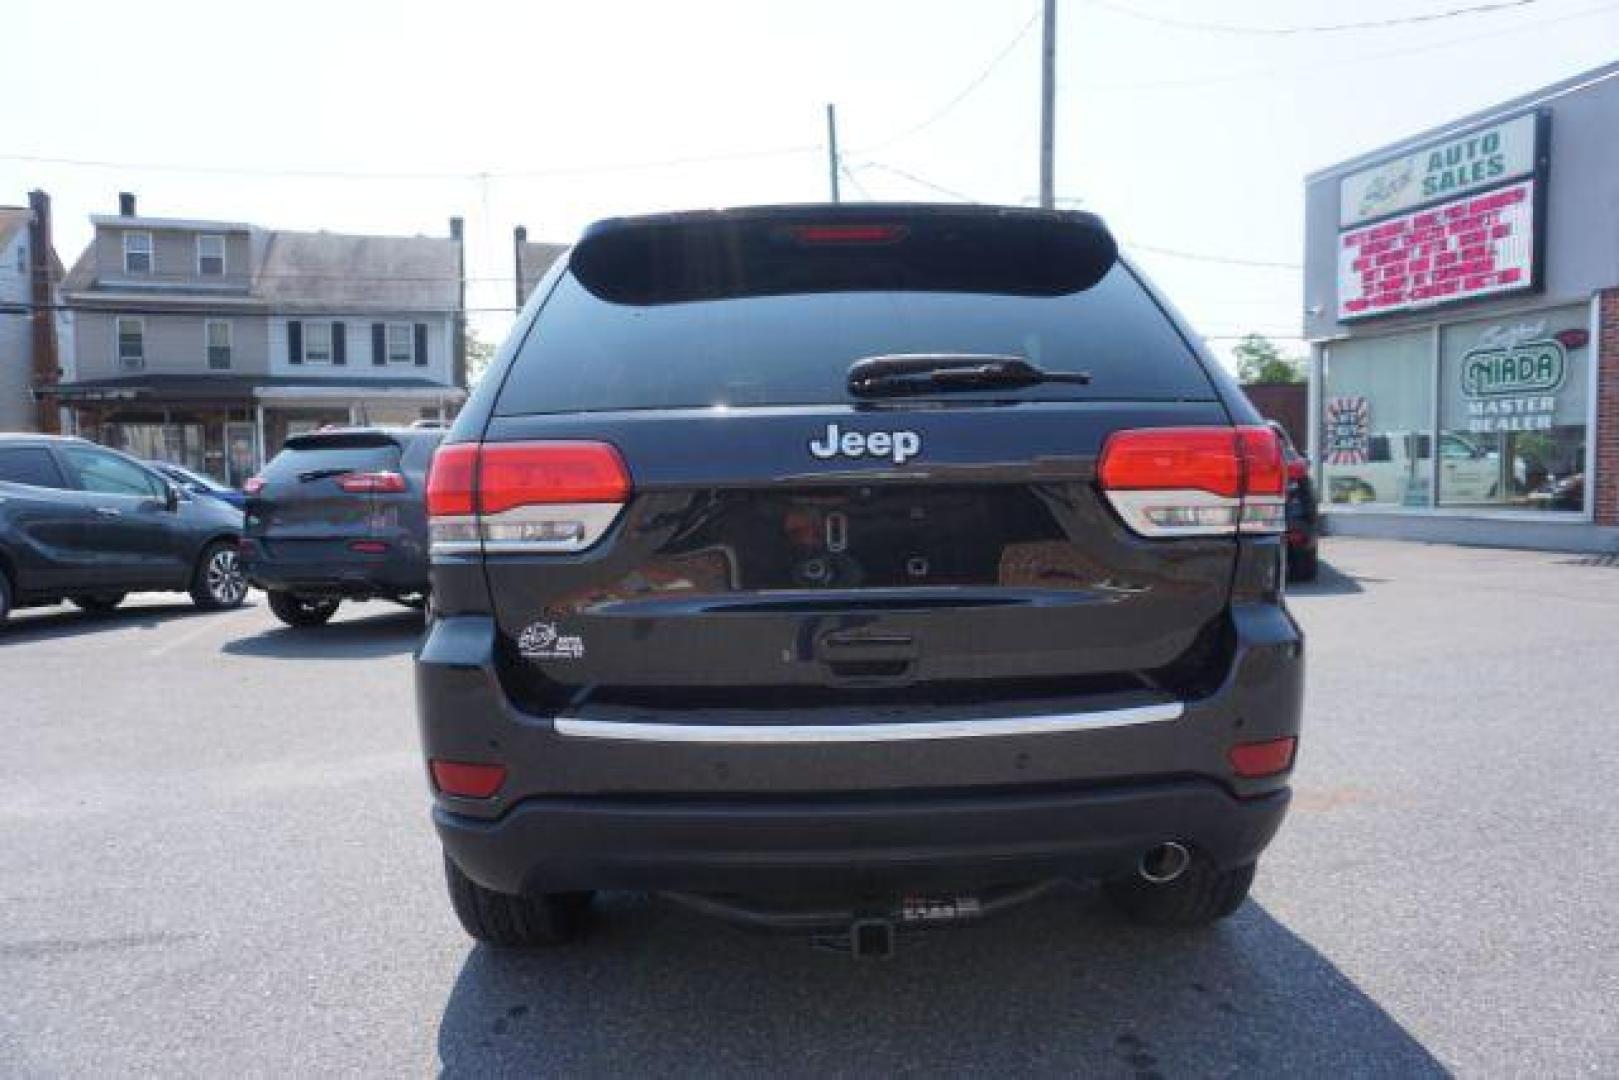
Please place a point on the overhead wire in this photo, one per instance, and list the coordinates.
(1323, 28)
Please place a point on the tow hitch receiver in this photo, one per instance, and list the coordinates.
(866, 932)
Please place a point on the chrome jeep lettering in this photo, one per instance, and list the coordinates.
(898, 446)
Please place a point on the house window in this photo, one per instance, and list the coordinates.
(132, 343)
(317, 343)
(401, 343)
(137, 253)
(218, 335)
(211, 255)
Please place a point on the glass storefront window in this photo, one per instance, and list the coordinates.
(1377, 420)
(1514, 397)
(179, 443)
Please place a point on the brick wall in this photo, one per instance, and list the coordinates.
(1607, 435)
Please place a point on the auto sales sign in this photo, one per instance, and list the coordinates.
(1452, 220)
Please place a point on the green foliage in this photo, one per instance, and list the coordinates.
(479, 355)
(1260, 361)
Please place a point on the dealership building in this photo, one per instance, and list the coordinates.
(1461, 299)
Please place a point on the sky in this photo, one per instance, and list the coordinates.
(392, 117)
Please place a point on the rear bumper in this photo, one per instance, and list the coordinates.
(851, 845)
(689, 812)
(348, 574)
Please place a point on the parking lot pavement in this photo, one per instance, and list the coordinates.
(217, 860)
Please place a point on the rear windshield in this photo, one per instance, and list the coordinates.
(306, 461)
(587, 354)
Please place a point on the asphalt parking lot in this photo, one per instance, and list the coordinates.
(217, 860)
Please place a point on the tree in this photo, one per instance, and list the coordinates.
(1260, 361)
(479, 355)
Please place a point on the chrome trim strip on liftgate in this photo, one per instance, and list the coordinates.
(787, 734)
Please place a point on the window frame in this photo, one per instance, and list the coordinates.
(150, 252)
(388, 344)
(304, 342)
(124, 364)
(223, 262)
(208, 345)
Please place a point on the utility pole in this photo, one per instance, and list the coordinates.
(832, 148)
(1048, 107)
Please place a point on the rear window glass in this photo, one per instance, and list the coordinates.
(31, 465)
(586, 354)
(300, 462)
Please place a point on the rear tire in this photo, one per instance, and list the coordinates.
(218, 582)
(5, 598)
(1202, 895)
(300, 611)
(515, 922)
(97, 605)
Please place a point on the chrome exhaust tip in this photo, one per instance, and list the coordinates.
(1164, 863)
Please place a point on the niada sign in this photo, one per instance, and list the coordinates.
(1534, 367)
(1440, 171)
(1513, 388)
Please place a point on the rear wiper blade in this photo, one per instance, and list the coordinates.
(321, 474)
(921, 373)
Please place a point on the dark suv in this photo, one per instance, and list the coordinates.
(854, 568)
(339, 515)
(83, 523)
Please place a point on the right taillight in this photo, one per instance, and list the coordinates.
(1205, 481)
(524, 496)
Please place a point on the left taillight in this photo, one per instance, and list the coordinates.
(372, 483)
(525, 496)
(1169, 482)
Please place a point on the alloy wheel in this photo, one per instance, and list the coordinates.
(226, 582)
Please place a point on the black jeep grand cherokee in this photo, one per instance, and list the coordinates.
(866, 565)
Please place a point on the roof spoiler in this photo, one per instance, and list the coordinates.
(847, 247)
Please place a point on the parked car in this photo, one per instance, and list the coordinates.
(198, 484)
(83, 523)
(1303, 512)
(338, 515)
(858, 568)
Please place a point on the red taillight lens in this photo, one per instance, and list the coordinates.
(1257, 759)
(368, 547)
(467, 780)
(524, 497)
(253, 485)
(537, 474)
(1262, 456)
(1195, 481)
(451, 480)
(1172, 459)
(365, 483)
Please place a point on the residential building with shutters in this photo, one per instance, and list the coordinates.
(207, 343)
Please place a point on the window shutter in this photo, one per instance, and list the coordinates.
(339, 341)
(421, 344)
(295, 342)
(379, 344)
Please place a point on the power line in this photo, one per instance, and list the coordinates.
(344, 174)
(965, 92)
(915, 179)
(1227, 260)
(1350, 61)
(1323, 28)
